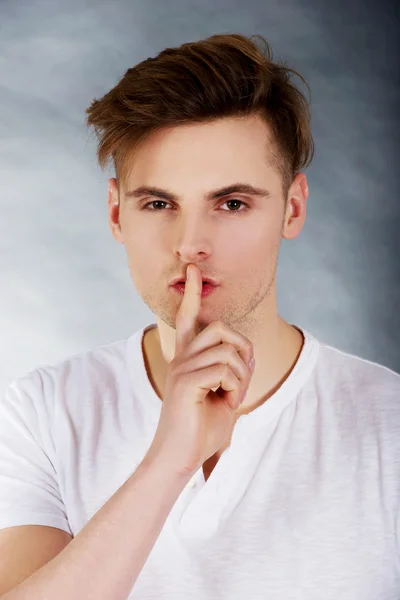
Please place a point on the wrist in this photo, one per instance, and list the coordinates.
(162, 460)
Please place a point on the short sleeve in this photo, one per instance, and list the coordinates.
(29, 492)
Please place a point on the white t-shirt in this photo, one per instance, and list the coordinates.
(303, 505)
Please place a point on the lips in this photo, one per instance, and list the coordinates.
(204, 280)
(207, 288)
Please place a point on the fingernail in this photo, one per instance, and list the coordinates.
(243, 397)
(252, 363)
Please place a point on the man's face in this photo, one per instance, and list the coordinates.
(234, 239)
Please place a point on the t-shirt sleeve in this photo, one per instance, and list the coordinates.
(29, 492)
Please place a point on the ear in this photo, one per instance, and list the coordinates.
(296, 207)
(114, 210)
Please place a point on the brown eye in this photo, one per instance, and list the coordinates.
(233, 201)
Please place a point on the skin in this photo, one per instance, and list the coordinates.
(237, 247)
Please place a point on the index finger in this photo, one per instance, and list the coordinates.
(186, 318)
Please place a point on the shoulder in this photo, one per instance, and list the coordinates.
(366, 391)
(49, 382)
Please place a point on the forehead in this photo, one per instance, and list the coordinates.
(215, 154)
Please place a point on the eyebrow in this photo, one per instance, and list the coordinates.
(235, 188)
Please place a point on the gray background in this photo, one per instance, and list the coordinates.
(65, 284)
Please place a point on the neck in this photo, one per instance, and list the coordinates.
(276, 351)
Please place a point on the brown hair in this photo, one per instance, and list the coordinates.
(225, 75)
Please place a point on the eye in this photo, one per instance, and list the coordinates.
(233, 200)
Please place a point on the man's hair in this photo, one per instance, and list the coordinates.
(225, 75)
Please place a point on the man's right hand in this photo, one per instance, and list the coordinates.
(196, 421)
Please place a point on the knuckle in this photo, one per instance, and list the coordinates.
(218, 325)
(249, 346)
(177, 371)
(174, 366)
(224, 369)
(229, 348)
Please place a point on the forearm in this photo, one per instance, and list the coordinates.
(106, 557)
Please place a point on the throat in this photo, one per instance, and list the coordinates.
(156, 366)
(209, 466)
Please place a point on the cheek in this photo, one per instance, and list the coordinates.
(139, 255)
(256, 243)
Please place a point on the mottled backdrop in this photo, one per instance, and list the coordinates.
(65, 284)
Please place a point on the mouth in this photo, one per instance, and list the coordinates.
(205, 281)
(207, 288)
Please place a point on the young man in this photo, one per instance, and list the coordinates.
(138, 470)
